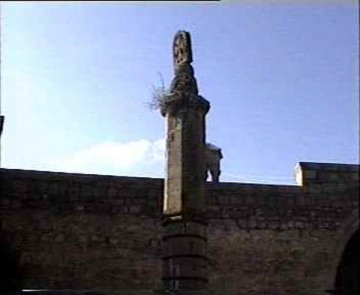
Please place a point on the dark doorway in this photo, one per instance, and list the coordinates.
(347, 276)
(10, 274)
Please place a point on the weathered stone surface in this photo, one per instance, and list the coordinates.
(251, 247)
(184, 239)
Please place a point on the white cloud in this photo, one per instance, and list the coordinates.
(142, 158)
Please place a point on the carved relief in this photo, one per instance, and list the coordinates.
(182, 49)
(183, 90)
(185, 82)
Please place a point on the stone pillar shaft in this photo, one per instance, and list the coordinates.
(184, 239)
(184, 255)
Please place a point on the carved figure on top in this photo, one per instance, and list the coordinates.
(182, 52)
(184, 81)
(183, 90)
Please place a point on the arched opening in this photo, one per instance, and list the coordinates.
(10, 274)
(347, 276)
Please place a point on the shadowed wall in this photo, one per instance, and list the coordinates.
(103, 233)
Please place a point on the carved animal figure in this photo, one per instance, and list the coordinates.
(213, 155)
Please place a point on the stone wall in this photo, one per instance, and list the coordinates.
(267, 239)
(312, 173)
(103, 233)
(84, 232)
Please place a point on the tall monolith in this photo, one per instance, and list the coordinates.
(184, 207)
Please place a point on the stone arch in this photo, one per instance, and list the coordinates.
(347, 275)
(347, 240)
(10, 271)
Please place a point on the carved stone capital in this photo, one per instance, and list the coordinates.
(181, 102)
(184, 80)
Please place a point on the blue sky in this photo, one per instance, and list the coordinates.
(282, 81)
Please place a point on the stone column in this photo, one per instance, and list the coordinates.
(184, 239)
